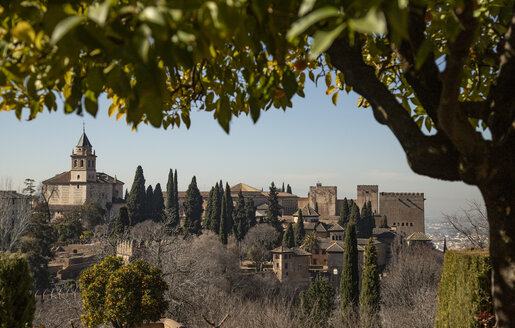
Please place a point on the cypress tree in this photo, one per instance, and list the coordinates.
(126, 197)
(384, 222)
(300, 233)
(159, 203)
(206, 223)
(37, 244)
(317, 303)
(316, 207)
(282, 189)
(240, 218)
(176, 196)
(344, 213)
(288, 189)
(364, 211)
(369, 209)
(223, 222)
(354, 212)
(288, 238)
(169, 202)
(231, 228)
(122, 222)
(349, 283)
(149, 203)
(193, 209)
(16, 294)
(369, 298)
(273, 213)
(250, 211)
(137, 196)
(216, 211)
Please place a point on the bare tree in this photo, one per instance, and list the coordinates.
(15, 215)
(258, 242)
(410, 286)
(471, 223)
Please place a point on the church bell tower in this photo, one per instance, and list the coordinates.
(83, 161)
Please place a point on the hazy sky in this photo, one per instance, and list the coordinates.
(313, 141)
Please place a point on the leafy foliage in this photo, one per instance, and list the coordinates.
(299, 232)
(137, 198)
(37, 245)
(71, 228)
(123, 296)
(250, 211)
(16, 295)
(370, 297)
(349, 284)
(241, 224)
(316, 304)
(122, 222)
(288, 237)
(193, 209)
(344, 213)
(273, 213)
(158, 204)
(460, 307)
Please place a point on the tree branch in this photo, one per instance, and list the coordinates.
(425, 81)
(453, 122)
(503, 90)
(433, 156)
(475, 109)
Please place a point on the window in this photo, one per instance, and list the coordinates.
(81, 163)
(315, 261)
(323, 252)
(78, 176)
(335, 271)
(402, 224)
(333, 237)
(286, 265)
(77, 186)
(411, 224)
(75, 163)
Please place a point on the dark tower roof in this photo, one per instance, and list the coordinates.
(84, 141)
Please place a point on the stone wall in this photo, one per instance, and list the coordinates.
(325, 197)
(368, 193)
(404, 211)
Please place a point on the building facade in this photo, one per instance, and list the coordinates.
(69, 190)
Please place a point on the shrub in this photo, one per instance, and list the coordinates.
(464, 291)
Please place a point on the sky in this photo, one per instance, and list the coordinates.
(314, 141)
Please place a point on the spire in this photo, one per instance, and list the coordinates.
(84, 141)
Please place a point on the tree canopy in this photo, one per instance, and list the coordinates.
(439, 74)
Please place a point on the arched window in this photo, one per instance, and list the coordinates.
(78, 177)
(75, 163)
(81, 163)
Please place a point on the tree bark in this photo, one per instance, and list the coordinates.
(499, 196)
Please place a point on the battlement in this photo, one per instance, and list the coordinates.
(368, 186)
(402, 194)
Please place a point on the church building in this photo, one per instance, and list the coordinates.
(69, 190)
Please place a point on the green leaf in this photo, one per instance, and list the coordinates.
(99, 12)
(428, 124)
(24, 32)
(141, 39)
(90, 102)
(307, 21)
(306, 7)
(373, 22)
(323, 40)
(64, 27)
(290, 84)
(152, 15)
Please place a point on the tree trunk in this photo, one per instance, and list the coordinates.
(499, 196)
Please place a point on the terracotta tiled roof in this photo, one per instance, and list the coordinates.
(418, 236)
(307, 211)
(335, 248)
(336, 227)
(296, 250)
(244, 188)
(65, 177)
(61, 178)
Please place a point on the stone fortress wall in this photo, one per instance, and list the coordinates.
(403, 210)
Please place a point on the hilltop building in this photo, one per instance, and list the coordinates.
(69, 190)
(404, 211)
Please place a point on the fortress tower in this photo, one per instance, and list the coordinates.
(325, 197)
(368, 193)
(403, 210)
